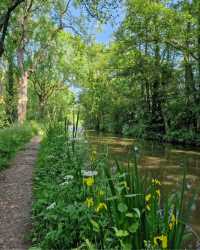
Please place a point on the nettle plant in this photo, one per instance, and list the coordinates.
(128, 212)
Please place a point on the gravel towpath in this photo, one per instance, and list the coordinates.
(16, 198)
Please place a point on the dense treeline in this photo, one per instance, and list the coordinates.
(147, 83)
(42, 46)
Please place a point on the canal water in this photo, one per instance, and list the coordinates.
(161, 160)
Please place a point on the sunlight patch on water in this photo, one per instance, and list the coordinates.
(178, 151)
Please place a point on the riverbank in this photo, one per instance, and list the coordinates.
(79, 204)
(181, 137)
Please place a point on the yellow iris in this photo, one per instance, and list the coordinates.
(88, 181)
(173, 222)
(93, 156)
(156, 182)
(148, 207)
(170, 226)
(147, 197)
(158, 193)
(89, 202)
(101, 206)
(162, 239)
(101, 193)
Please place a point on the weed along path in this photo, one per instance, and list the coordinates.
(15, 198)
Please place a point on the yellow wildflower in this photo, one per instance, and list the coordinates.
(93, 156)
(1, 100)
(170, 226)
(88, 181)
(156, 182)
(101, 193)
(101, 206)
(173, 222)
(162, 239)
(89, 202)
(147, 197)
(158, 192)
(148, 207)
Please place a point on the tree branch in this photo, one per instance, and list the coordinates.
(5, 23)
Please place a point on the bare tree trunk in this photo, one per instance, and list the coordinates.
(24, 73)
(23, 88)
(22, 101)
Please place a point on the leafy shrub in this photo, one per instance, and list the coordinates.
(182, 136)
(12, 139)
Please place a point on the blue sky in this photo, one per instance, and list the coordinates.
(108, 29)
(106, 35)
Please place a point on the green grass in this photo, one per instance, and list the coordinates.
(13, 139)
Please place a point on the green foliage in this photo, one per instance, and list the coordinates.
(3, 118)
(80, 204)
(12, 139)
(148, 82)
(59, 215)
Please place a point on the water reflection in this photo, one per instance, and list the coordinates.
(161, 160)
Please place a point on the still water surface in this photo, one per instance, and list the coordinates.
(160, 160)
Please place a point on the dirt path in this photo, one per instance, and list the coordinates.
(15, 199)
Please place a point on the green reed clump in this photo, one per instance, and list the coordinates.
(136, 218)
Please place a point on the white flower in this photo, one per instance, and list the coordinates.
(88, 173)
(51, 206)
(64, 183)
(68, 177)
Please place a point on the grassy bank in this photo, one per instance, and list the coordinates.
(80, 204)
(12, 139)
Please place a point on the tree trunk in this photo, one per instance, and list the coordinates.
(198, 51)
(23, 99)
(23, 88)
(10, 92)
(4, 22)
(158, 124)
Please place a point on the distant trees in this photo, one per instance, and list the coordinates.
(154, 71)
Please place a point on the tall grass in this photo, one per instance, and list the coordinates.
(12, 139)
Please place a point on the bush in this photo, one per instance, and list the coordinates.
(12, 139)
(183, 136)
